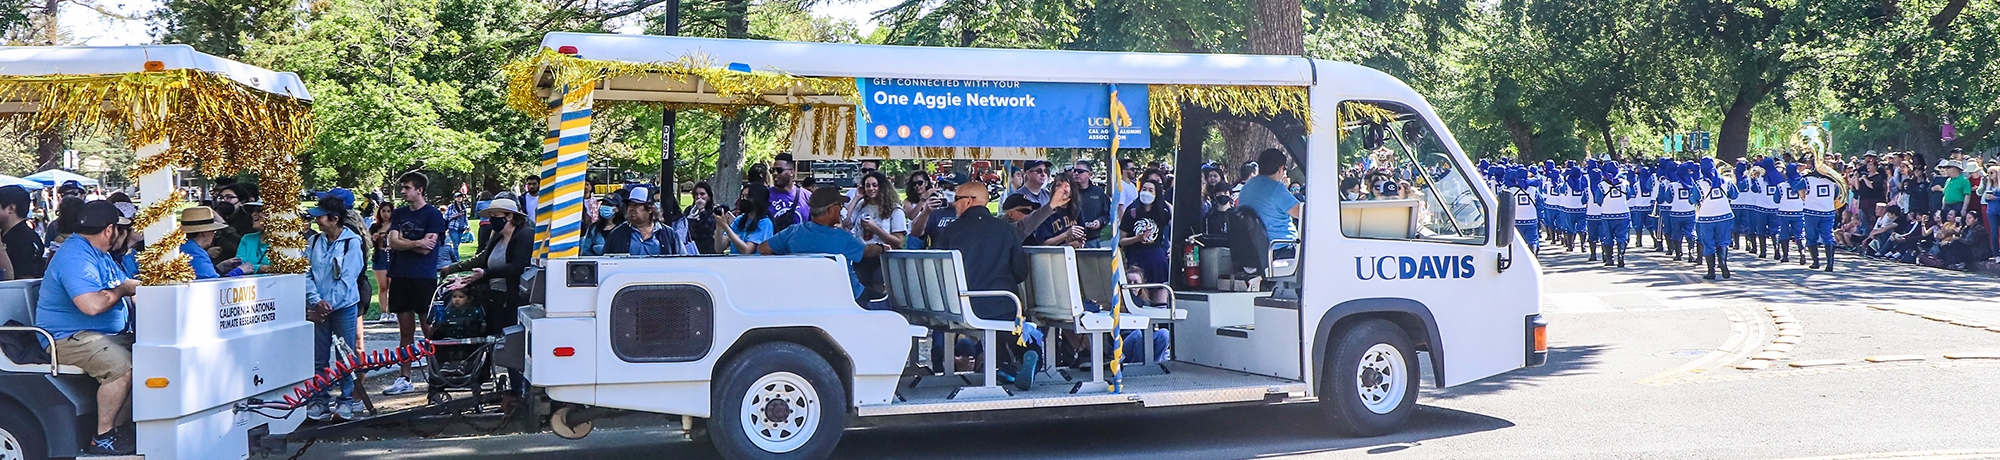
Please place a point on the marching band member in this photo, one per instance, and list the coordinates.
(1645, 219)
(1791, 215)
(1677, 227)
(1818, 191)
(1713, 216)
(1614, 222)
(1524, 193)
(1593, 211)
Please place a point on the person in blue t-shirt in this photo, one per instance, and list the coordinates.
(821, 234)
(415, 234)
(84, 305)
(201, 223)
(1268, 196)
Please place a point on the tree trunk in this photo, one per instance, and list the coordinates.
(1611, 144)
(729, 166)
(729, 158)
(1734, 139)
(48, 150)
(1524, 140)
(1280, 30)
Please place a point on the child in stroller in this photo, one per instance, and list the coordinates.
(456, 314)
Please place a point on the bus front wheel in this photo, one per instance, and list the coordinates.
(777, 400)
(1369, 386)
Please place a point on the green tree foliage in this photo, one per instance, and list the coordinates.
(1922, 63)
(219, 27)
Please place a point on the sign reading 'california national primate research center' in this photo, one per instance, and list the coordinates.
(905, 112)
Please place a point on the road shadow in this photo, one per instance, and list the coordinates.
(1151, 434)
(1239, 432)
(1563, 361)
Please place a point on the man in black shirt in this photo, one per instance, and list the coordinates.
(24, 248)
(994, 261)
(1093, 205)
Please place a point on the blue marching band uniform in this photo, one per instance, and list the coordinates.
(1693, 210)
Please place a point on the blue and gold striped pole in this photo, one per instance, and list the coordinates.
(559, 214)
(1120, 118)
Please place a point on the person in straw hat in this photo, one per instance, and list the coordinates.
(497, 269)
(200, 223)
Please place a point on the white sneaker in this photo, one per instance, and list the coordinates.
(317, 411)
(402, 386)
(350, 410)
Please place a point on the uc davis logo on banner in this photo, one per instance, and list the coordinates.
(1413, 267)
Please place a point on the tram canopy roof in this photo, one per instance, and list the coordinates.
(37, 61)
(915, 62)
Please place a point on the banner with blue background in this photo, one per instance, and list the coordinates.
(905, 112)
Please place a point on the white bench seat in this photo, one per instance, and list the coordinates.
(17, 303)
(928, 287)
(1063, 279)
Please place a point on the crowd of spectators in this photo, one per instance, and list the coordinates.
(1907, 209)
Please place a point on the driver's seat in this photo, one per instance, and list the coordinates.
(1254, 254)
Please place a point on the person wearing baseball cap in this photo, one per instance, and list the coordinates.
(337, 259)
(200, 223)
(82, 306)
(821, 234)
(643, 234)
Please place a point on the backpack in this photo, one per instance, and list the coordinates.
(1248, 243)
(22, 347)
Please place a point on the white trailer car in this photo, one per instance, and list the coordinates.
(772, 356)
(203, 351)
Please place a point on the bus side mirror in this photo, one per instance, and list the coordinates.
(1503, 231)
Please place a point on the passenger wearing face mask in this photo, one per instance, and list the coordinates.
(749, 224)
(607, 219)
(1142, 232)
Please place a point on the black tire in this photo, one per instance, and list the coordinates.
(1340, 393)
(17, 423)
(727, 430)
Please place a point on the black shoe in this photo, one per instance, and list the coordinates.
(107, 444)
(1024, 379)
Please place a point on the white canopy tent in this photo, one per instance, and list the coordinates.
(55, 177)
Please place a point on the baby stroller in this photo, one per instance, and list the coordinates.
(462, 361)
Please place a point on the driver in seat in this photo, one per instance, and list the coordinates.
(83, 305)
(1268, 195)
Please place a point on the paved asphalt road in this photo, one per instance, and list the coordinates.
(1645, 365)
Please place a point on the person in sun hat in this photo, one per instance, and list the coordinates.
(498, 266)
(200, 224)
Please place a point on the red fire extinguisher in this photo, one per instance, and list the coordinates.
(1192, 254)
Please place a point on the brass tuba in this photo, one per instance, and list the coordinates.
(1808, 141)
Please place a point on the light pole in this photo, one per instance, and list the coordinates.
(667, 122)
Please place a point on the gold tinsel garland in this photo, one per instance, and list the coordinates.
(159, 209)
(1166, 102)
(744, 88)
(208, 120)
(163, 263)
(207, 116)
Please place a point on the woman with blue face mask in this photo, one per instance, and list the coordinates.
(607, 218)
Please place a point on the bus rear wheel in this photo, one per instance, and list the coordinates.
(777, 400)
(1369, 386)
(21, 436)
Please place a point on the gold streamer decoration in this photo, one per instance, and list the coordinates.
(1166, 102)
(163, 263)
(212, 123)
(153, 212)
(739, 88)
